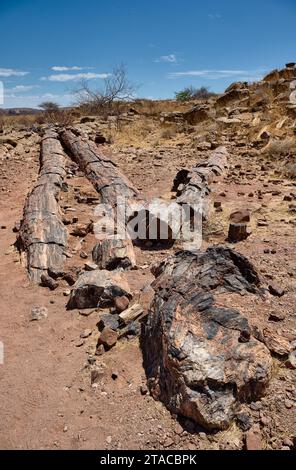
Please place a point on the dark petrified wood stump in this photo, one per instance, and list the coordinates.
(42, 234)
(200, 357)
(113, 253)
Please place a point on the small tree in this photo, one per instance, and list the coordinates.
(49, 106)
(116, 88)
(191, 93)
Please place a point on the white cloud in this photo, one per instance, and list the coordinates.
(20, 88)
(66, 77)
(171, 58)
(219, 74)
(66, 69)
(215, 16)
(12, 73)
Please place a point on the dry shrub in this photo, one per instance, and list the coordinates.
(60, 117)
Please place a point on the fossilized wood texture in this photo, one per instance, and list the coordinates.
(42, 233)
(107, 179)
(200, 357)
(113, 253)
(98, 289)
(193, 186)
(114, 188)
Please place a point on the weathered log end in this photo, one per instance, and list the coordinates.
(113, 253)
(200, 357)
(98, 289)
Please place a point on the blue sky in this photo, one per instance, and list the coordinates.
(48, 46)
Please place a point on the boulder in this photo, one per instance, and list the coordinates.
(200, 357)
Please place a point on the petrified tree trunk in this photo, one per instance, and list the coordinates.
(113, 253)
(42, 234)
(192, 186)
(200, 356)
(115, 189)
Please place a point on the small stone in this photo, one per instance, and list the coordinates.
(253, 439)
(66, 293)
(83, 255)
(79, 343)
(86, 333)
(121, 303)
(264, 421)
(276, 316)
(114, 375)
(108, 338)
(87, 312)
(289, 404)
(90, 266)
(16, 227)
(168, 442)
(240, 217)
(244, 421)
(276, 290)
(144, 389)
(47, 281)
(96, 376)
(288, 442)
(109, 440)
(291, 362)
(217, 204)
(65, 429)
(38, 313)
(108, 320)
(100, 350)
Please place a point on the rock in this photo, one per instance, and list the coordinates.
(83, 255)
(277, 316)
(90, 266)
(70, 278)
(86, 119)
(237, 232)
(289, 404)
(240, 217)
(87, 312)
(96, 376)
(81, 230)
(38, 313)
(121, 303)
(253, 439)
(86, 333)
(108, 320)
(98, 288)
(47, 281)
(244, 421)
(108, 338)
(291, 362)
(193, 359)
(276, 290)
(16, 227)
(144, 389)
(276, 344)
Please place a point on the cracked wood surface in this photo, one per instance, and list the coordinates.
(42, 233)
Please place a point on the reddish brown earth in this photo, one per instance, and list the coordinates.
(47, 399)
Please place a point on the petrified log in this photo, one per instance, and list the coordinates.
(192, 187)
(115, 189)
(237, 232)
(113, 253)
(131, 313)
(98, 289)
(200, 357)
(42, 233)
